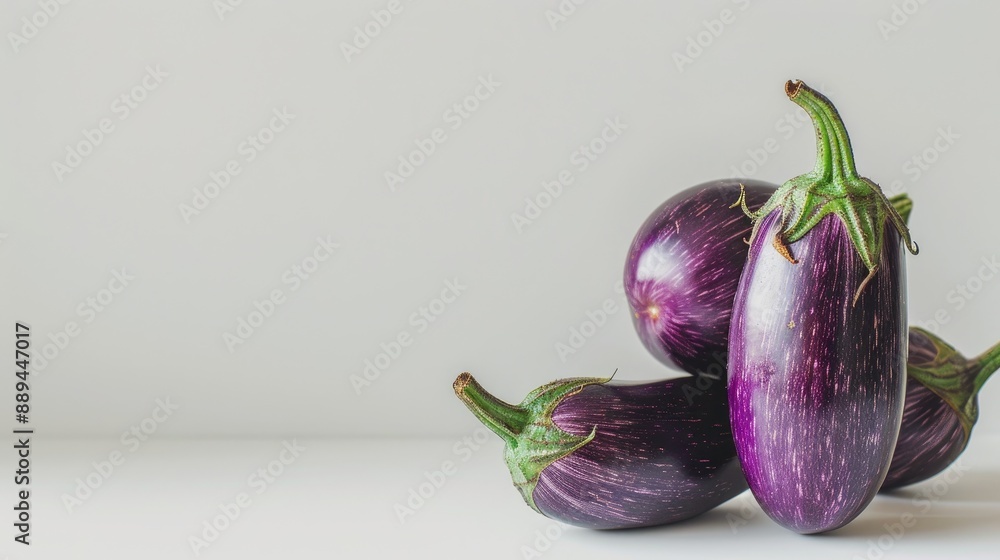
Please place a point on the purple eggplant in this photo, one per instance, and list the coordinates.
(682, 270)
(817, 343)
(936, 423)
(684, 265)
(941, 407)
(605, 455)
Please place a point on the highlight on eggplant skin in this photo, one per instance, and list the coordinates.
(682, 270)
(816, 384)
(941, 408)
(609, 455)
(817, 343)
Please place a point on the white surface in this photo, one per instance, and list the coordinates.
(337, 500)
(324, 176)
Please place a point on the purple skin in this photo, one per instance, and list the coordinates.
(607, 455)
(942, 407)
(931, 436)
(663, 452)
(682, 271)
(930, 440)
(816, 385)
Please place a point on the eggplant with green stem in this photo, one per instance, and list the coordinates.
(684, 265)
(609, 455)
(942, 406)
(817, 343)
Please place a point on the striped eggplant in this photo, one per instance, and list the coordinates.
(607, 455)
(682, 269)
(936, 422)
(817, 343)
(941, 407)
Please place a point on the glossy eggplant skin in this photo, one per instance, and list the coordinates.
(682, 270)
(931, 438)
(942, 407)
(662, 452)
(816, 384)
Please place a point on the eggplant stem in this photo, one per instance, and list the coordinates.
(842, 156)
(841, 163)
(988, 363)
(834, 186)
(505, 419)
(824, 167)
(533, 440)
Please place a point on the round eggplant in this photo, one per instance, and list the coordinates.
(682, 269)
(684, 265)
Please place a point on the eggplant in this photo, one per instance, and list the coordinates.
(682, 269)
(817, 342)
(608, 455)
(941, 408)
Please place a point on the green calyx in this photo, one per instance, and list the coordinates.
(533, 440)
(832, 187)
(903, 205)
(954, 378)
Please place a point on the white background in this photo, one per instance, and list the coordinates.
(324, 176)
